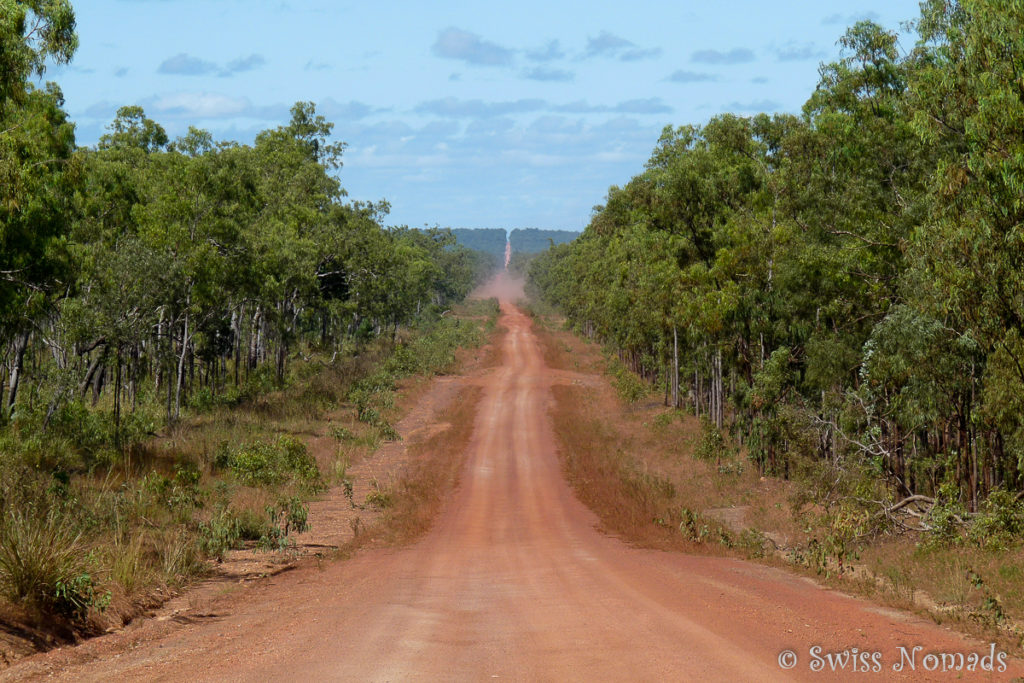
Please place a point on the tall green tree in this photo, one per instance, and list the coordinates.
(32, 32)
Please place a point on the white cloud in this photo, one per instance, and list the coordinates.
(198, 105)
(454, 43)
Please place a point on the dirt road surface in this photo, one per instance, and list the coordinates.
(513, 582)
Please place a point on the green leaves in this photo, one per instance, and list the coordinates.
(856, 273)
(32, 31)
(37, 177)
(131, 130)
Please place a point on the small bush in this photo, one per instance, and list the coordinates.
(292, 515)
(185, 492)
(378, 497)
(711, 444)
(842, 530)
(370, 415)
(628, 386)
(692, 526)
(219, 535)
(371, 396)
(665, 419)
(180, 493)
(75, 437)
(1000, 523)
(229, 528)
(733, 467)
(289, 516)
(260, 381)
(204, 399)
(76, 595)
(317, 395)
(754, 542)
(250, 525)
(480, 307)
(945, 518)
(434, 351)
(342, 434)
(387, 431)
(272, 464)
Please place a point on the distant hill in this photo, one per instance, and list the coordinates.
(524, 240)
(488, 240)
(535, 240)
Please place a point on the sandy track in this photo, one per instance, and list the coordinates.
(515, 583)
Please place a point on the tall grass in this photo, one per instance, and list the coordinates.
(41, 562)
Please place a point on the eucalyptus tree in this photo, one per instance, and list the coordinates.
(854, 272)
(967, 255)
(145, 258)
(38, 174)
(36, 144)
(295, 191)
(118, 280)
(32, 32)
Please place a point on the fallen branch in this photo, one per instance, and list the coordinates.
(908, 500)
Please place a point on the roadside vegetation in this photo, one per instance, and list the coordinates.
(177, 319)
(662, 478)
(82, 548)
(836, 297)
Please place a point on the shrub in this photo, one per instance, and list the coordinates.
(692, 526)
(711, 443)
(272, 464)
(259, 382)
(289, 516)
(229, 528)
(371, 396)
(629, 387)
(379, 499)
(387, 431)
(180, 492)
(945, 518)
(1000, 522)
(370, 415)
(219, 535)
(665, 419)
(75, 437)
(342, 434)
(204, 400)
(434, 350)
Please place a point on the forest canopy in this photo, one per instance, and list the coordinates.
(535, 240)
(176, 317)
(490, 241)
(842, 286)
(160, 267)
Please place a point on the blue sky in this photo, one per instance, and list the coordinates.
(461, 114)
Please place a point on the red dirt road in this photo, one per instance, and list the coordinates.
(514, 582)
